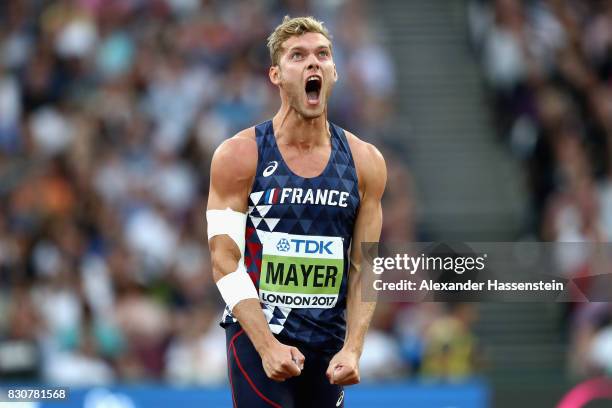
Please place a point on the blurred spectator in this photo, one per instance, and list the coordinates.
(588, 341)
(451, 350)
(19, 349)
(78, 356)
(381, 358)
(412, 325)
(601, 350)
(194, 356)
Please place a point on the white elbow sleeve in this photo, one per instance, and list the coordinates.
(237, 285)
(227, 222)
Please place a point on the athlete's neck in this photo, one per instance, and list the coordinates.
(292, 128)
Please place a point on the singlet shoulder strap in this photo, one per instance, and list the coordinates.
(264, 136)
(263, 131)
(342, 141)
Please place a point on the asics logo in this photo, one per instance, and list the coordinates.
(270, 169)
(340, 399)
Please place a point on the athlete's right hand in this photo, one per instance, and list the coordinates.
(281, 361)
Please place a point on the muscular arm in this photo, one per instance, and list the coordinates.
(343, 368)
(367, 229)
(232, 171)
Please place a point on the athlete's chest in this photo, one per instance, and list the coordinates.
(305, 162)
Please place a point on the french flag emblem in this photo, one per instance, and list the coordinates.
(271, 196)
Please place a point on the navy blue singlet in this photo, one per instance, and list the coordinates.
(298, 234)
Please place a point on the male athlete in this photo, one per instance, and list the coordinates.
(291, 200)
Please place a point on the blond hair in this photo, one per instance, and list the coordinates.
(293, 27)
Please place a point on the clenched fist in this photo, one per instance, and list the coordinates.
(343, 369)
(281, 361)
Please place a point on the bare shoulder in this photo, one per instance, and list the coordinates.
(236, 157)
(364, 153)
(370, 164)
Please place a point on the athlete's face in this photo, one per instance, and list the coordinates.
(306, 73)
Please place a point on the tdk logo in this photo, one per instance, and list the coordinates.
(306, 246)
(283, 245)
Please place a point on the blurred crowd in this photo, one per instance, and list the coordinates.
(548, 65)
(109, 113)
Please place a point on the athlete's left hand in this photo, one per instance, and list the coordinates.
(343, 369)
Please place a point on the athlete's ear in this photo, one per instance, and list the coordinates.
(274, 74)
(335, 74)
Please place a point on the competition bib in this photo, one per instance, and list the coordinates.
(300, 271)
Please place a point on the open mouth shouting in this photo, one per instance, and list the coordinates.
(313, 89)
